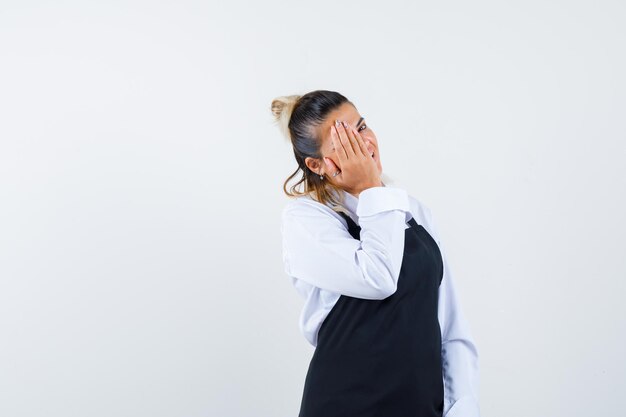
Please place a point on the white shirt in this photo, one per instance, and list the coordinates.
(324, 261)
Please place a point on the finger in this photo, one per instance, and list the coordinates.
(361, 142)
(330, 166)
(341, 152)
(345, 141)
(352, 139)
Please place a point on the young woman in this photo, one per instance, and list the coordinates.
(382, 309)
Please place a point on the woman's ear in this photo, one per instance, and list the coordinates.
(313, 164)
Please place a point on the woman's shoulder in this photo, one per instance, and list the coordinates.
(304, 203)
(306, 208)
(421, 211)
(418, 206)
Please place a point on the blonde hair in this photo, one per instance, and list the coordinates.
(282, 107)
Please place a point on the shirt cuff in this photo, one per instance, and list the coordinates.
(378, 199)
(464, 407)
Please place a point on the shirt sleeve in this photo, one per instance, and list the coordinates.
(459, 351)
(318, 249)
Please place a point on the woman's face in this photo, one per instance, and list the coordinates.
(346, 112)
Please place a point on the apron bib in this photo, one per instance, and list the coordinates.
(382, 358)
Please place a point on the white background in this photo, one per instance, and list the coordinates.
(141, 187)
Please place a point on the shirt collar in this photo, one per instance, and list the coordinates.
(350, 201)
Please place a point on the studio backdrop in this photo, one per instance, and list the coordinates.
(141, 187)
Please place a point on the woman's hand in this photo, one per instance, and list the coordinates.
(357, 169)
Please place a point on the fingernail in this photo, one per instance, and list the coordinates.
(336, 122)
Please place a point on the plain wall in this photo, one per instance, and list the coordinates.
(141, 184)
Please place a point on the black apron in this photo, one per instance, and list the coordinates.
(382, 358)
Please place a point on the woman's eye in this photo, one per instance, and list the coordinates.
(363, 126)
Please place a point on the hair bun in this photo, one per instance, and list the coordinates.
(282, 107)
